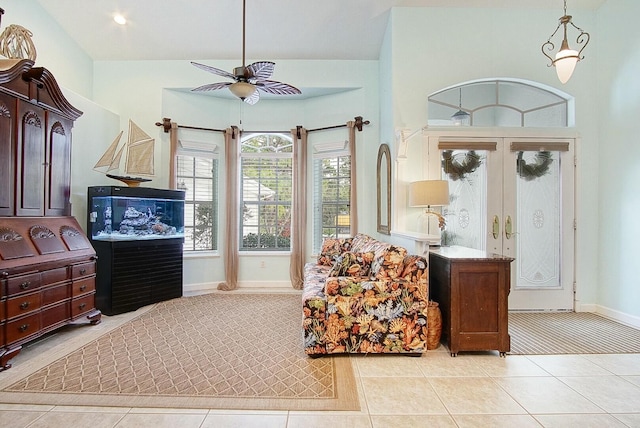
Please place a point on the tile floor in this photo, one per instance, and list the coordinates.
(436, 390)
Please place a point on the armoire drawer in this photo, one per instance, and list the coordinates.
(23, 283)
(23, 304)
(83, 286)
(81, 305)
(23, 327)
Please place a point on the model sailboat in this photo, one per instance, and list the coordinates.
(139, 157)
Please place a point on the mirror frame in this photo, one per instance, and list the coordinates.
(384, 152)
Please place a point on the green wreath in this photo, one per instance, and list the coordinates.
(534, 170)
(458, 170)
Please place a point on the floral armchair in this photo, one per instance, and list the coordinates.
(365, 296)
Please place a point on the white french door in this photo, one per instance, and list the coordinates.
(515, 197)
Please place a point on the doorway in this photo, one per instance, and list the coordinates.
(513, 195)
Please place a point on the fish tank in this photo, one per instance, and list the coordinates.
(117, 213)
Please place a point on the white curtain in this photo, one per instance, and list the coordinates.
(299, 215)
(230, 252)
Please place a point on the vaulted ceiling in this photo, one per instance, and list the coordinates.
(276, 29)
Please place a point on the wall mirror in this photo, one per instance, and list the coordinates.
(384, 189)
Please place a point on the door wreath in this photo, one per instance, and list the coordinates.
(536, 169)
(458, 170)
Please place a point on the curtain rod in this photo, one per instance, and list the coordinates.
(166, 125)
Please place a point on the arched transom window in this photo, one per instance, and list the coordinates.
(500, 102)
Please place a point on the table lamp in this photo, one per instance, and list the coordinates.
(427, 194)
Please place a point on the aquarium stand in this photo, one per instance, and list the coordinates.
(133, 274)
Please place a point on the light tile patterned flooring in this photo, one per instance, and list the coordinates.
(435, 390)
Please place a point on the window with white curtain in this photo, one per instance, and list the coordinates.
(266, 191)
(197, 174)
(331, 192)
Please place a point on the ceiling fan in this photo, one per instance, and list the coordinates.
(248, 80)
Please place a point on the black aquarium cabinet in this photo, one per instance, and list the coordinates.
(138, 235)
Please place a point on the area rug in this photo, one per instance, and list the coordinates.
(222, 351)
(570, 333)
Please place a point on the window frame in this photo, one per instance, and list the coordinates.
(260, 204)
(331, 151)
(197, 150)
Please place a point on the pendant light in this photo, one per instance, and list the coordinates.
(460, 117)
(566, 58)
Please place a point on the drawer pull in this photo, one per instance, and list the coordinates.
(24, 327)
(25, 285)
(83, 271)
(83, 287)
(82, 305)
(24, 305)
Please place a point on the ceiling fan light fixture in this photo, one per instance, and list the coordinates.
(248, 78)
(242, 90)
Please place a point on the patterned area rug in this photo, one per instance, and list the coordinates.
(223, 351)
(570, 333)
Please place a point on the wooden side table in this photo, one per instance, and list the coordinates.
(472, 288)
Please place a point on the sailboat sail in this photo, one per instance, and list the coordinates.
(139, 155)
(140, 151)
(115, 163)
(108, 156)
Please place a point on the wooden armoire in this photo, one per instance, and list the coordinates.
(47, 264)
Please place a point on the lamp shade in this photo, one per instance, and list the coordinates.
(242, 90)
(428, 193)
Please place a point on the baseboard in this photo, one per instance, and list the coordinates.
(621, 317)
(590, 307)
(243, 286)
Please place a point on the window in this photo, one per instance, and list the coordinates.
(266, 191)
(197, 175)
(501, 102)
(332, 193)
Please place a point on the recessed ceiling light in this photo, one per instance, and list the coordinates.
(119, 19)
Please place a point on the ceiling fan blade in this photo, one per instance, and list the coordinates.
(260, 70)
(212, 86)
(214, 70)
(253, 98)
(278, 88)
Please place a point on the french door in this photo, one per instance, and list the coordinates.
(515, 197)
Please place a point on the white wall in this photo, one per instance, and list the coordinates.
(56, 51)
(433, 48)
(90, 131)
(618, 94)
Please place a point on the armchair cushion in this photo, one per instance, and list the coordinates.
(389, 265)
(331, 248)
(352, 264)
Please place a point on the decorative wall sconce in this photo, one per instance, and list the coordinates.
(566, 59)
